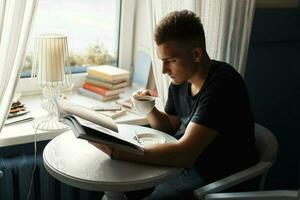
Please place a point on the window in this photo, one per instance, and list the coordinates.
(108, 18)
(92, 29)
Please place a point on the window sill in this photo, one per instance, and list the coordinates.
(24, 132)
(29, 87)
(21, 133)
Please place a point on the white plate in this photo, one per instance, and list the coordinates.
(150, 138)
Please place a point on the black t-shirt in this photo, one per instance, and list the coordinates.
(223, 105)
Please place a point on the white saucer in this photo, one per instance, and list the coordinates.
(150, 138)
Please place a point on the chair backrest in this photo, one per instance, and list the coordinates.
(266, 143)
(267, 147)
(256, 195)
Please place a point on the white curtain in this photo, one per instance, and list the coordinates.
(157, 10)
(15, 24)
(227, 25)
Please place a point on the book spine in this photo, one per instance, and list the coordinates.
(93, 77)
(107, 80)
(99, 83)
(100, 75)
(109, 74)
(96, 96)
(106, 85)
(102, 91)
(96, 89)
(90, 94)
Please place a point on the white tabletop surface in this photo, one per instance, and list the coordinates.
(77, 163)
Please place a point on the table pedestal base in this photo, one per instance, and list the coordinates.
(114, 196)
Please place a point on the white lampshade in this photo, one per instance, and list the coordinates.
(50, 59)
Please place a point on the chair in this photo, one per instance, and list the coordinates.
(259, 195)
(267, 147)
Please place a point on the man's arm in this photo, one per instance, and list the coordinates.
(163, 122)
(182, 153)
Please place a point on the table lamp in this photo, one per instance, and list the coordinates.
(50, 66)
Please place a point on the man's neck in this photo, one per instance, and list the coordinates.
(197, 81)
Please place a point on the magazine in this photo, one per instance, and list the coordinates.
(92, 126)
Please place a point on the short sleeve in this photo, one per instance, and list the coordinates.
(170, 105)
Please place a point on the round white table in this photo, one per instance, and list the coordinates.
(77, 163)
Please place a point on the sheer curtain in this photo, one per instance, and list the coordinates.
(158, 9)
(15, 23)
(227, 25)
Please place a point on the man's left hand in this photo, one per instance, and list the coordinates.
(104, 148)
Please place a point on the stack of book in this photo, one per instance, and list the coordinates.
(104, 82)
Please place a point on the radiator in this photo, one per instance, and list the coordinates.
(16, 162)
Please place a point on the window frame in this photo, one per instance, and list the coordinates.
(28, 86)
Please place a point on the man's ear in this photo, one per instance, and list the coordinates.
(197, 54)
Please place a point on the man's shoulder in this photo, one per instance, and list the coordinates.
(224, 80)
(224, 74)
(223, 68)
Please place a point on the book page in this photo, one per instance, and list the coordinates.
(101, 130)
(65, 107)
(92, 132)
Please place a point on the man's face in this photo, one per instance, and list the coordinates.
(177, 61)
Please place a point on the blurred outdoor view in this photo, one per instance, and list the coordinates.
(91, 26)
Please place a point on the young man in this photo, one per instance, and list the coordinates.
(208, 109)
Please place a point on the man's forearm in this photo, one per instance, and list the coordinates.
(165, 154)
(159, 121)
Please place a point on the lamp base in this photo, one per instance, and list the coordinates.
(48, 123)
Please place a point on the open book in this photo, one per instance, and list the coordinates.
(92, 126)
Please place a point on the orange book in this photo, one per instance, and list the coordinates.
(97, 96)
(102, 91)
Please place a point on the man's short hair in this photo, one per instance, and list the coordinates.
(180, 26)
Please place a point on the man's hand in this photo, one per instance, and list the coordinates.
(143, 92)
(143, 101)
(112, 152)
(109, 151)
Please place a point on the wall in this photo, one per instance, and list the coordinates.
(273, 80)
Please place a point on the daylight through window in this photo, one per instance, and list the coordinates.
(91, 27)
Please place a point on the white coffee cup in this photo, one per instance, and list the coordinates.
(143, 104)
